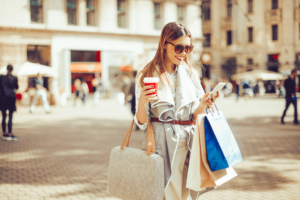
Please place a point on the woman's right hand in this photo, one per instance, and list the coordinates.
(145, 97)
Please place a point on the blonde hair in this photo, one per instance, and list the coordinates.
(170, 32)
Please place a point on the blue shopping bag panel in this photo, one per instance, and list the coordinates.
(225, 138)
(215, 156)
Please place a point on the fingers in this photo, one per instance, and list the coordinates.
(213, 98)
(206, 95)
(149, 91)
(218, 94)
(209, 101)
(147, 87)
(151, 97)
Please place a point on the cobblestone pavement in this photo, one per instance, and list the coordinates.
(65, 154)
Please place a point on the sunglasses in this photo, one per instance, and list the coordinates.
(179, 48)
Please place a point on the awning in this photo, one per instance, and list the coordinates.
(258, 74)
(127, 68)
(32, 69)
(85, 67)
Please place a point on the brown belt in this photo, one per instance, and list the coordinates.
(189, 122)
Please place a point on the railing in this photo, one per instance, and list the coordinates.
(271, 15)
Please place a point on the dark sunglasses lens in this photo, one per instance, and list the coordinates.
(189, 49)
(179, 48)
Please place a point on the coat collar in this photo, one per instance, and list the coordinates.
(188, 90)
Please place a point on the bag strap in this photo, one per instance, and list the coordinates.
(150, 142)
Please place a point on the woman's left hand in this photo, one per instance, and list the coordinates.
(208, 103)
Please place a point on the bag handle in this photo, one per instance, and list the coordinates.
(150, 142)
(211, 111)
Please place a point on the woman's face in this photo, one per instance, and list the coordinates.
(173, 57)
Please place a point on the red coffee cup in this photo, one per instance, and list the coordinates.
(154, 82)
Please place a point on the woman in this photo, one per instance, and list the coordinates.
(9, 85)
(178, 101)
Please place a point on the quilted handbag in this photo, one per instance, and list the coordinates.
(135, 174)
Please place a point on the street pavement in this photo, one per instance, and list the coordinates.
(65, 154)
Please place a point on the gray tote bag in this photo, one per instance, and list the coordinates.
(135, 174)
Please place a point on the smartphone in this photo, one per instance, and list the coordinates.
(218, 88)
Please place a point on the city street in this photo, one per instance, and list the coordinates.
(65, 154)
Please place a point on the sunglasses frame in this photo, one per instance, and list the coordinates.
(184, 48)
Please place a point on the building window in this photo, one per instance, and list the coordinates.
(121, 13)
(229, 38)
(85, 56)
(273, 62)
(250, 6)
(274, 32)
(36, 11)
(180, 14)
(71, 10)
(250, 34)
(206, 42)
(250, 61)
(205, 7)
(229, 8)
(157, 16)
(274, 4)
(90, 12)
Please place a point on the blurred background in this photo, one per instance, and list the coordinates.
(90, 50)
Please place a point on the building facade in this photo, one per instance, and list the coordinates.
(88, 36)
(243, 35)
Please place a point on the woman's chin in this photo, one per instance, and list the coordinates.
(178, 62)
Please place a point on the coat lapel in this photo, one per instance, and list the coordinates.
(188, 88)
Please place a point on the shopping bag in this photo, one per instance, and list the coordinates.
(199, 174)
(221, 146)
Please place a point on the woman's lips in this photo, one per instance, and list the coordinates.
(181, 59)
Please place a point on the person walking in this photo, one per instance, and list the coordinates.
(96, 90)
(8, 85)
(290, 96)
(77, 85)
(173, 111)
(41, 92)
(84, 91)
(131, 93)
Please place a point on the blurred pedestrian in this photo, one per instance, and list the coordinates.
(246, 89)
(237, 89)
(261, 87)
(228, 87)
(41, 92)
(96, 90)
(8, 85)
(255, 88)
(131, 95)
(290, 96)
(84, 91)
(77, 85)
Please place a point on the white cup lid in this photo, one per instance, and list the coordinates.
(151, 80)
